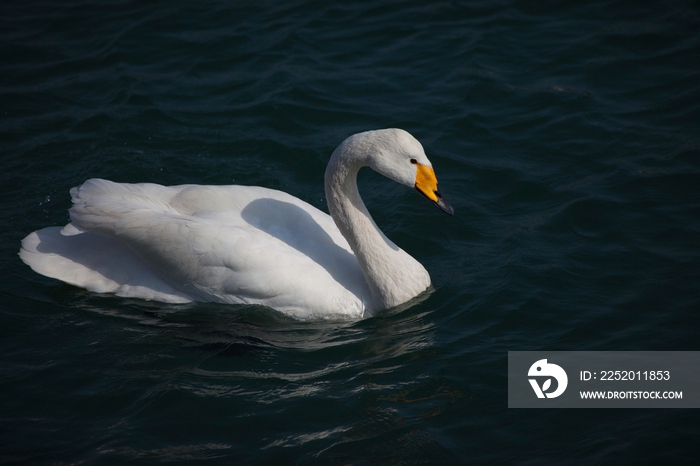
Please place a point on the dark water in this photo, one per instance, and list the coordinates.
(566, 135)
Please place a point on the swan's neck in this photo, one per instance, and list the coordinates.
(393, 276)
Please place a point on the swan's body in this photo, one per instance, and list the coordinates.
(242, 244)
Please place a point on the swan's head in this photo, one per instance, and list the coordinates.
(397, 155)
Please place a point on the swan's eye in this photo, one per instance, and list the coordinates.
(414, 161)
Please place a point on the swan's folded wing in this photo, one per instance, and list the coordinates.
(184, 250)
(272, 252)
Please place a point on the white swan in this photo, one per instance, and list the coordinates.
(245, 244)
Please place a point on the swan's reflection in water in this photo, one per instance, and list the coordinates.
(337, 383)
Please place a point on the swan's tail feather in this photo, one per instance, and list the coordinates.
(94, 262)
(103, 206)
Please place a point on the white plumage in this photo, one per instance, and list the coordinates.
(244, 244)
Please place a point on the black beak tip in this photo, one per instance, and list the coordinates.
(445, 207)
(440, 203)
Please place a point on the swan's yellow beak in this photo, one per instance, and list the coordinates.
(427, 185)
